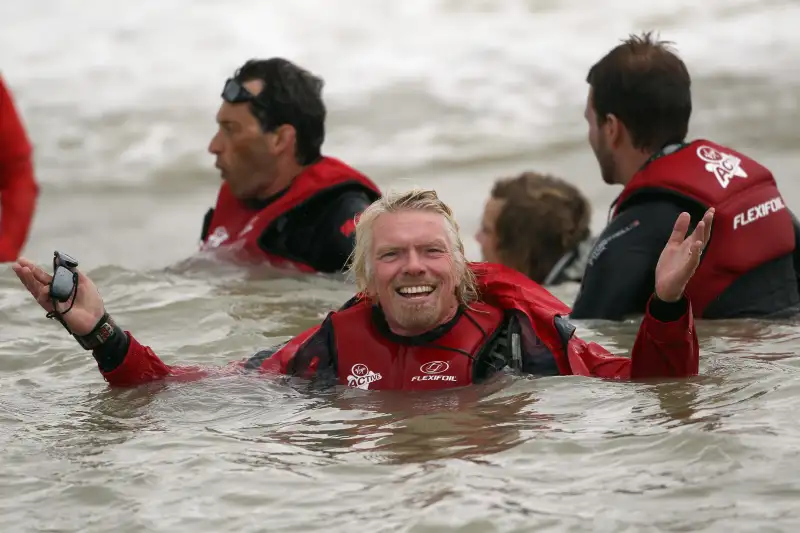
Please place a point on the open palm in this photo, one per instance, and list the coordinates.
(681, 256)
(87, 307)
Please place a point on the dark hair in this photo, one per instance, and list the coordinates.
(543, 218)
(291, 95)
(647, 87)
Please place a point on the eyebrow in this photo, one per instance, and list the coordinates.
(384, 249)
(436, 242)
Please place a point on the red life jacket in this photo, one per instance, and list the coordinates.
(751, 223)
(238, 228)
(367, 359)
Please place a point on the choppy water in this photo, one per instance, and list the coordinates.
(120, 99)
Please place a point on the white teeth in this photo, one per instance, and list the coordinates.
(419, 289)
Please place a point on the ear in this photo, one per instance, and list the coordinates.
(282, 139)
(614, 130)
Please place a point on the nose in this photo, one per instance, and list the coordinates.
(215, 146)
(414, 264)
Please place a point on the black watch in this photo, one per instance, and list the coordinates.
(105, 329)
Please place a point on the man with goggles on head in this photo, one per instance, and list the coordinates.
(281, 202)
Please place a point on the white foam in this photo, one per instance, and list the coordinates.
(504, 70)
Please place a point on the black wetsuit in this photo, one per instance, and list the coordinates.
(318, 233)
(620, 271)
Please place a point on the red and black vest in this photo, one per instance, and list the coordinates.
(368, 359)
(751, 223)
(238, 228)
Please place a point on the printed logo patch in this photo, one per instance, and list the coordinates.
(723, 166)
(360, 376)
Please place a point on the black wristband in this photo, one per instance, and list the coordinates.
(111, 354)
(668, 311)
(105, 329)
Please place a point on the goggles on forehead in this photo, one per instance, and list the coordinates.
(235, 93)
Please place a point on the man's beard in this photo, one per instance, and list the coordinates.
(608, 166)
(421, 316)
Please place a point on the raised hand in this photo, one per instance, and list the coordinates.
(681, 256)
(87, 305)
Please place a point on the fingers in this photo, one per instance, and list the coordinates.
(708, 219)
(702, 232)
(698, 234)
(43, 297)
(691, 263)
(39, 290)
(680, 228)
(27, 278)
(696, 249)
(30, 275)
(38, 273)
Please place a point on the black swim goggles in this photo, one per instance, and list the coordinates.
(64, 284)
(235, 93)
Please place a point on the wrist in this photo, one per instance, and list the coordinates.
(668, 298)
(104, 330)
(665, 311)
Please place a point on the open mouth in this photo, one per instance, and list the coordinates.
(415, 291)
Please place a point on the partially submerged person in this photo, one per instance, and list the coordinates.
(281, 201)
(18, 188)
(424, 318)
(638, 109)
(539, 225)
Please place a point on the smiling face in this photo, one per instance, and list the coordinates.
(413, 276)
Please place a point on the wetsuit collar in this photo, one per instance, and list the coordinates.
(379, 319)
(257, 204)
(668, 149)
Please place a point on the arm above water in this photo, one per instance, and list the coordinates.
(666, 347)
(122, 359)
(125, 362)
(620, 271)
